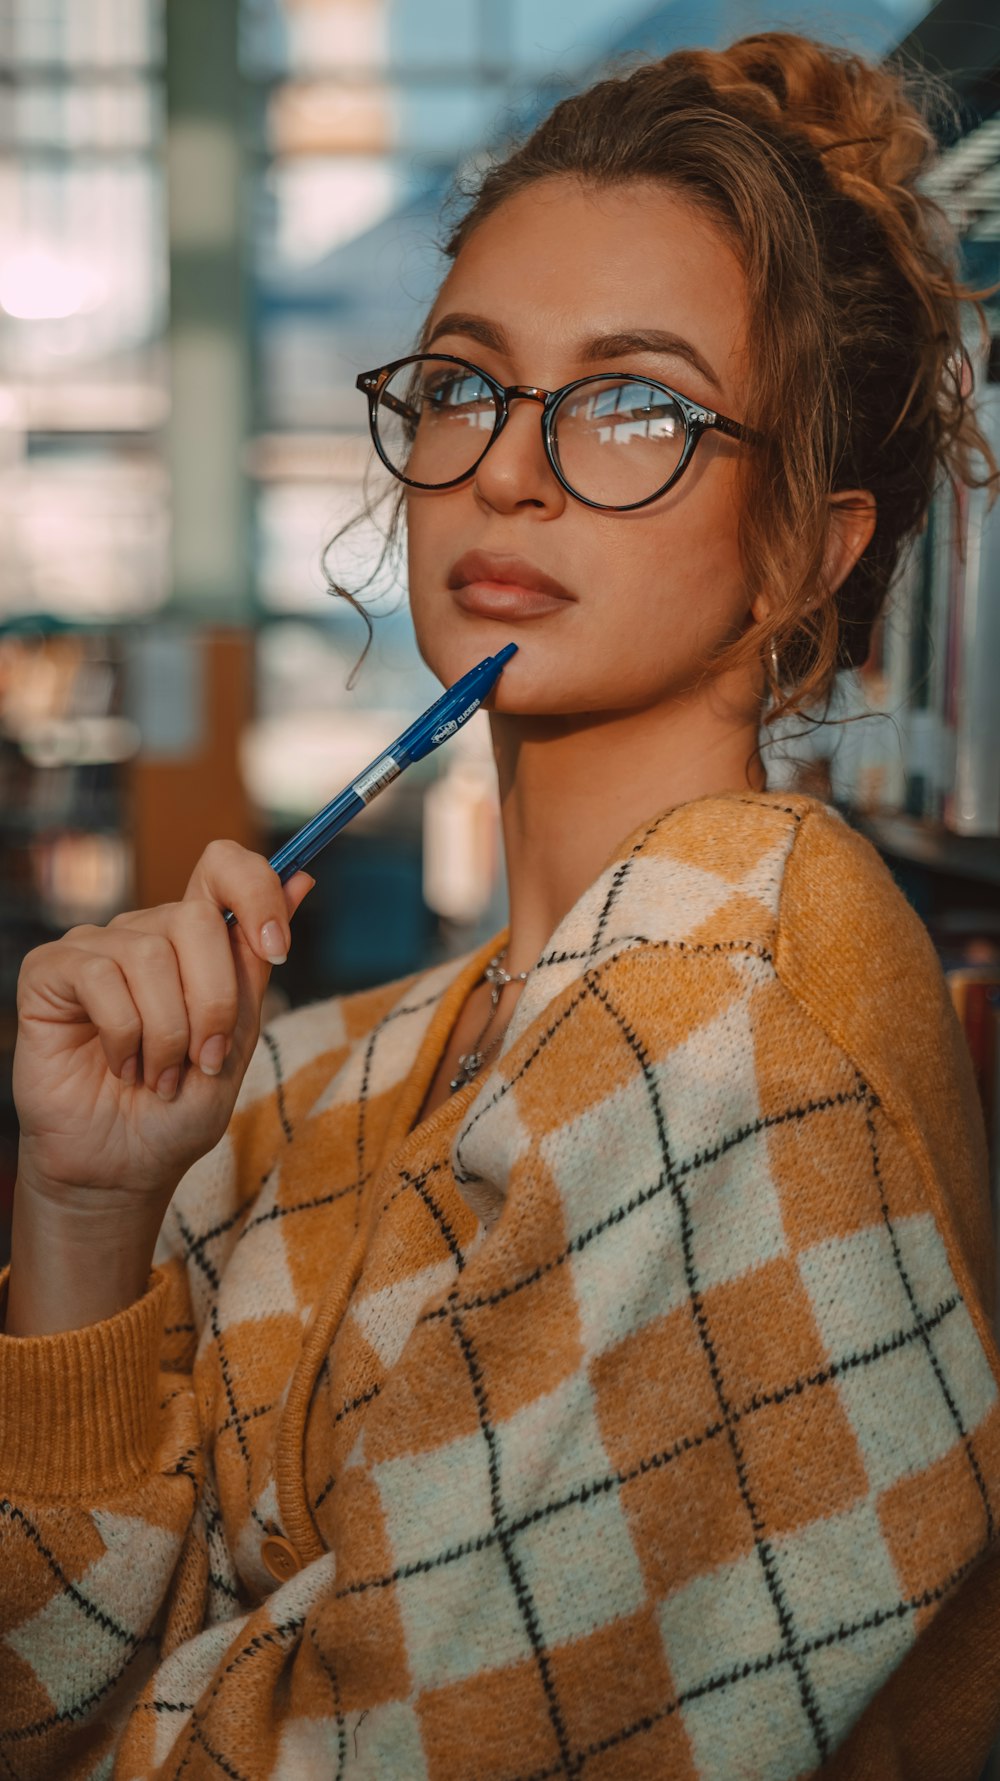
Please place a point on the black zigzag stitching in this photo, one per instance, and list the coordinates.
(275, 1212)
(754, 1667)
(365, 1397)
(235, 1416)
(953, 1409)
(419, 1185)
(807, 1693)
(617, 1477)
(89, 1609)
(701, 1159)
(277, 1635)
(783, 809)
(594, 972)
(134, 1642)
(394, 1014)
(618, 878)
(279, 1083)
(522, 1593)
(331, 1676)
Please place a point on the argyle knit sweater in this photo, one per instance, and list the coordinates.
(634, 1415)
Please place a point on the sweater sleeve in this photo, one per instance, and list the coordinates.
(102, 1467)
(108, 1542)
(859, 963)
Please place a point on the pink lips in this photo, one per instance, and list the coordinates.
(505, 586)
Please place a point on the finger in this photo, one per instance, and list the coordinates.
(81, 981)
(211, 990)
(152, 972)
(296, 890)
(234, 878)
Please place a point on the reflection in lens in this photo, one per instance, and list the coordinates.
(617, 440)
(434, 419)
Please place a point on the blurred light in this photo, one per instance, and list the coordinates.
(80, 741)
(461, 840)
(321, 204)
(329, 117)
(293, 765)
(82, 876)
(11, 408)
(38, 286)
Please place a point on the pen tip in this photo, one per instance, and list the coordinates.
(503, 655)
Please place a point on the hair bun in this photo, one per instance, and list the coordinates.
(856, 116)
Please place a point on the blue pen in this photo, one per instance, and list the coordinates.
(437, 723)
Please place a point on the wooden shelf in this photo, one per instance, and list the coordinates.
(931, 844)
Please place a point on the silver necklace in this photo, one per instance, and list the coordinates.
(472, 1062)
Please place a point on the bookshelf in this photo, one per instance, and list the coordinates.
(930, 844)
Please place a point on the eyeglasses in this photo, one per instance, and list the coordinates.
(613, 440)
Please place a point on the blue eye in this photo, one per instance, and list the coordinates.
(454, 391)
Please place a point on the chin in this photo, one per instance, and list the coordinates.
(533, 683)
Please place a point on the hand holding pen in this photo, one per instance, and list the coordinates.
(134, 1039)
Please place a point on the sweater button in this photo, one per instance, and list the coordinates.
(280, 1557)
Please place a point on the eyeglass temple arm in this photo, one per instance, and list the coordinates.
(398, 407)
(734, 429)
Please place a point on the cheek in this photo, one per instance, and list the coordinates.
(427, 562)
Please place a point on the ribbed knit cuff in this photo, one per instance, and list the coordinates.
(79, 1410)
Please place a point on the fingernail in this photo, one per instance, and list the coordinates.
(272, 942)
(166, 1088)
(213, 1054)
(130, 1069)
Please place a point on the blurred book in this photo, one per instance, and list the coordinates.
(923, 738)
(974, 991)
(993, 1133)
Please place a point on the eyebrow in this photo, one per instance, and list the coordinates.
(599, 346)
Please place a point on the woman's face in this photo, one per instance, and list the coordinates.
(653, 591)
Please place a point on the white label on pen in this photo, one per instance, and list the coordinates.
(371, 783)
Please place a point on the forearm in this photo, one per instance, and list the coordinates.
(74, 1266)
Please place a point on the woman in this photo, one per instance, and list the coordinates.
(576, 1360)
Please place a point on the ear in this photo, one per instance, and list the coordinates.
(852, 522)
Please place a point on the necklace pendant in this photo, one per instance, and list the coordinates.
(468, 1065)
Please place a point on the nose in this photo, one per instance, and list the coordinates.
(516, 470)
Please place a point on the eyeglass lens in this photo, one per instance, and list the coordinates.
(616, 440)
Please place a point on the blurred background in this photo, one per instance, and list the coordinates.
(211, 218)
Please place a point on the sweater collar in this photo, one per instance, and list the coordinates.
(659, 884)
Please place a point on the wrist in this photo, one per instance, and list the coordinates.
(78, 1262)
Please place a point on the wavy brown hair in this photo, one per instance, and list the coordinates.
(808, 158)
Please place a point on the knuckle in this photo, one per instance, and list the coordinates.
(32, 965)
(147, 921)
(81, 933)
(95, 965)
(201, 914)
(222, 852)
(151, 950)
(36, 957)
(213, 1020)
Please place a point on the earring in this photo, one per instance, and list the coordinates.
(774, 666)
